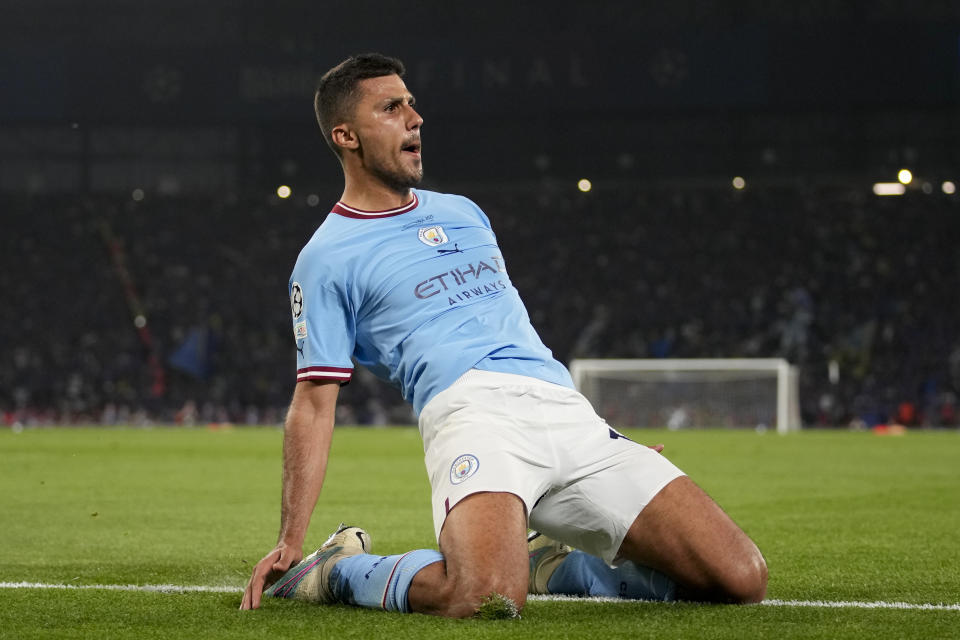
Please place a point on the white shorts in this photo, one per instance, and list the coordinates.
(582, 482)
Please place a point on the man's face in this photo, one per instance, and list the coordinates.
(388, 129)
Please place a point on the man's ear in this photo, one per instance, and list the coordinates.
(344, 136)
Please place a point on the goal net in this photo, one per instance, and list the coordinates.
(728, 393)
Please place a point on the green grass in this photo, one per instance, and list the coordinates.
(839, 516)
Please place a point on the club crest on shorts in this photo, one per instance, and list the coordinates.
(432, 236)
(463, 467)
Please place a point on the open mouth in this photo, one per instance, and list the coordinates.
(413, 147)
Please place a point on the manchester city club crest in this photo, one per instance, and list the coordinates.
(432, 236)
(463, 467)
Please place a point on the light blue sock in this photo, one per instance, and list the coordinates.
(379, 582)
(581, 574)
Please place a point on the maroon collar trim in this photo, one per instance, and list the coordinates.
(350, 212)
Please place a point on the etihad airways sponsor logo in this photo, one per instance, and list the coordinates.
(459, 276)
(476, 292)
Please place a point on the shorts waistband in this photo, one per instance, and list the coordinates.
(483, 379)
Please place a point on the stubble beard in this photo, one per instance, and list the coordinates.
(395, 179)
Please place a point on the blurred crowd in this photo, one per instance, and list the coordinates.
(175, 310)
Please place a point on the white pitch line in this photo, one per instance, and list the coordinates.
(157, 588)
(787, 603)
(176, 588)
(862, 605)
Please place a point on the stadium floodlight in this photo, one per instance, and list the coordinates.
(692, 393)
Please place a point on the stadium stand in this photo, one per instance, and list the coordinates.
(816, 275)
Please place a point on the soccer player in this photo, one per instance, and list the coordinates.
(412, 285)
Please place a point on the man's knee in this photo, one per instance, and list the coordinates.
(746, 581)
(740, 581)
(488, 596)
(752, 580)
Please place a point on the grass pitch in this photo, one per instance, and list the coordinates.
(839, 516)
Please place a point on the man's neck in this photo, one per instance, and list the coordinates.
(370, 195)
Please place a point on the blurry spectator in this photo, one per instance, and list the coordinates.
(617, 272)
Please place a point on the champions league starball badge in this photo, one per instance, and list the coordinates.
(463, 467)
(296, 300)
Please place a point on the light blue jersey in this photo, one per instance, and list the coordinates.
(419, 295)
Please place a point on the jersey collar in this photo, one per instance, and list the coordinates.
(351, 212)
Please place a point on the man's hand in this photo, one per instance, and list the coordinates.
(656, 447)
(306, 446)
(268, 570)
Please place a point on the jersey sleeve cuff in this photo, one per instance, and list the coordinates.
(338, 374)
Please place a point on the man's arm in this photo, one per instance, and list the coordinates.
(306, 447)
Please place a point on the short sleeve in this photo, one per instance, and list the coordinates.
(480, 214)
(324, 328)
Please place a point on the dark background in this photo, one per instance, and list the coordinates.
(217, 94)
(148, 138)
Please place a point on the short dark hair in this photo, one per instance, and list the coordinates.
(337, 93)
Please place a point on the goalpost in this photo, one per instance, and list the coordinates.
(692, 393)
